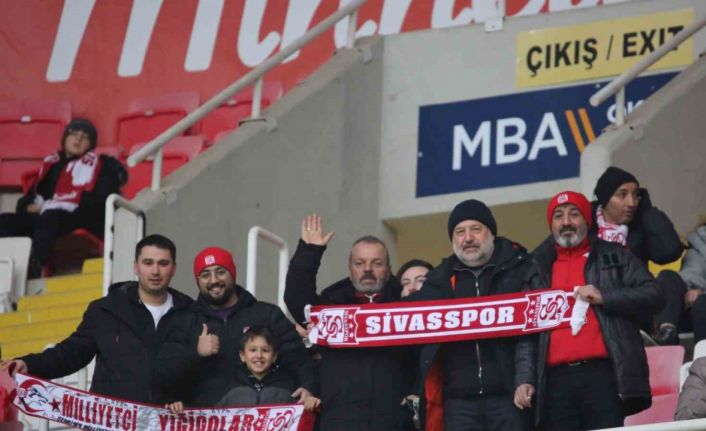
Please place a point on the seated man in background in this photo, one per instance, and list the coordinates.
(412, 275)
(69, 194)
(623, 213)
(693, 273)
(692, 404)
(124, 331)
(361, 388)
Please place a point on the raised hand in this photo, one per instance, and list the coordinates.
(313, 231)
(209, 344)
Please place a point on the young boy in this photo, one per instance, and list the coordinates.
(258, 380)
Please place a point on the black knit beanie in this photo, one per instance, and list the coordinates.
(610, 181)
(85, 126)
(472, 210)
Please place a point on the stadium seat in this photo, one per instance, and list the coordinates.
(8, 412)
(227, 116)
(28, 132)
(684, 373)
(150, 116)
(178, 152)
(700, 349)
(665, 364)
(662, 410)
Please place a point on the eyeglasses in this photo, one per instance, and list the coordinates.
(219, 273)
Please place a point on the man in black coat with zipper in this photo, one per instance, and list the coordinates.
(472, 385)
(361, 388)
(208, 346)
(124, 331)
(594, 377)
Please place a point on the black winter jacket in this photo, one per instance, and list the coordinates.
(361, 388)
(111, 177)
(275, 388)
(651, 235)
(627, 289)
(119, 332)
(212, 377)
(510, 267)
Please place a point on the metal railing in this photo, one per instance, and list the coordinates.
(254, 76)
(114, 201)
(618, 84)
(690, 425)
(255, 233)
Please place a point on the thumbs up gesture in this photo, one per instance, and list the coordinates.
(208, 343)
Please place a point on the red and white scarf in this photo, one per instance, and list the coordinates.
(611, 232)
(78, 176)
(405, 323)
(87, 411)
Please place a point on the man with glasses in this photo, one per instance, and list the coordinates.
(69, 193)
(623, 213)
(208, 349)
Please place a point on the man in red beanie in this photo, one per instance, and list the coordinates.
(223, 311)
(594, 378)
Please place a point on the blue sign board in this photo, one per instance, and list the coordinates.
(514, 139)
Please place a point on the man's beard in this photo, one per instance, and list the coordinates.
(220, 301)
(479, 257)
(573, 240)
(362, 288)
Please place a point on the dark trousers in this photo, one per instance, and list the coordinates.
(674, 311)
(485, 413)
(582, 397)
(46, 227)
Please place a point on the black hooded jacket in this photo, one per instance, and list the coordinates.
(651, 235)
(119, 332)
(627, 289)
(506, 362)
(212, 377)
(361, 388)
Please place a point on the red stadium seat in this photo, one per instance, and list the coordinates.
(150, 116)
(8, 412)
(665, 363)
(178, 152)
(29, 131)
(227, 116)
(662, 410)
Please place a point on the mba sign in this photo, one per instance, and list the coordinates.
(515, 139)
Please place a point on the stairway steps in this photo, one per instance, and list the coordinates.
(76, 297)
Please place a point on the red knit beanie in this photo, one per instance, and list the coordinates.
(214, 256)
(573, 198)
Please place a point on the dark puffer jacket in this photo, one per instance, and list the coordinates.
(361, 388)
(627, 289)
(507, 271)
(651, 235)
(119, 332)
(212, 377)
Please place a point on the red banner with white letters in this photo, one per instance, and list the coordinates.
(405, 323)
(99, 55)
(93, 412)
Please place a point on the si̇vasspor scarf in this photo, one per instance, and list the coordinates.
(87, 411)
(403, 323)
(78, 176)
